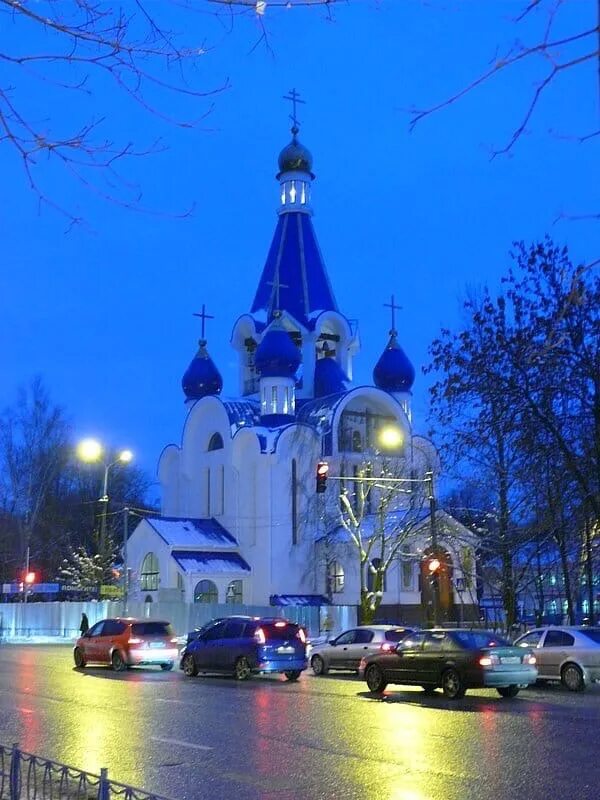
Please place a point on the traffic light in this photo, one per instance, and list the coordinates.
(30, 578)
(322, 470)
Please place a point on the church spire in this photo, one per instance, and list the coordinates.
(294, 262)
(202, 377)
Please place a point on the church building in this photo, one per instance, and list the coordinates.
(241, 521)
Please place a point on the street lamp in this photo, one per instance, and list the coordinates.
(390, 437)
(91, 451)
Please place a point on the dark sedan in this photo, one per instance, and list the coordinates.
(455, 660)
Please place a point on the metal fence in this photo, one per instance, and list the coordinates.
(24, 776)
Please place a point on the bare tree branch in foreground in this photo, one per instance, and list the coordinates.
(71, 47)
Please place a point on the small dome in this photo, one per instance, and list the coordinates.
(295, 157)
(329, 377)
(394, 372)
(277, 356)
(201, 378)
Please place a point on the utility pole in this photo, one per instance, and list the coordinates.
(125, 560)
(25, 584)
(434, 543)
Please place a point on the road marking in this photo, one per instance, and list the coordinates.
(180, 743)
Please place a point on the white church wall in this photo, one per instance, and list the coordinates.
(142, 541)
(168, 475)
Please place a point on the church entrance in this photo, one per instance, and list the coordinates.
(437, 599)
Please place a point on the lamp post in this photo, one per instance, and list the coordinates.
(91, 451)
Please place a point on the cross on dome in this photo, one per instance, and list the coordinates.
(203, 316)
(277, 285)
(394, 308)
(294, 97)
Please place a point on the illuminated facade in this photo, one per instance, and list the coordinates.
(240, 514)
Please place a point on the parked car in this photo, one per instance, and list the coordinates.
(453, 659)
(243, 646)
(127, 642)
(347, 649)
(570, 654)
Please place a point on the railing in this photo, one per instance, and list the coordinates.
(24, 776)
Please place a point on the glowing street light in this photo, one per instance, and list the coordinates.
(91, 451)
(390, 437)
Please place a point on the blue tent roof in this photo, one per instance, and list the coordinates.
(298, 600)
(295, 263)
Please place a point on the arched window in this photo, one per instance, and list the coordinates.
(373, 567)
(205, 592)
(234, 594)
(150, 573)
(336, 577)
(216, 442)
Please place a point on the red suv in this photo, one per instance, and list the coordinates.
(127, 642)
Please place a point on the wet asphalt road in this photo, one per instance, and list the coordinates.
(266, 739)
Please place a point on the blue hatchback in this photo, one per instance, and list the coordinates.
(243, 646)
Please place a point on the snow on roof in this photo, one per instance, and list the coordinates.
(210, 562)
(181, 532)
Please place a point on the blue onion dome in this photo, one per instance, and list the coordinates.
(201, 378)
(277, 356)
(329, 376)
(295, 157)
(394, 372)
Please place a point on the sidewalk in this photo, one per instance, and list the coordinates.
(37, 639)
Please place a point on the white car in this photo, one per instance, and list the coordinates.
(348, 649)
(565, 653)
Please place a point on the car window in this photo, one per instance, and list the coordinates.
(397, 636)
(592, 633)
(112, 627)
(413, 642)
(96, 630)
(151, 628)
(362, 637)
(476, 640)
(531, 639)
(216, 632)
(434, 642)
(559, 639)
(346, 638)
(234, 629)
(282, 629)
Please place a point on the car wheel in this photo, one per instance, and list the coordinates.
(292, 674)
(79, 658)
(572, 678)
(452, 685)
(429, 690)
(508, 691)
(242, 669)
(375, 678)
(318, 666)
(189, 666)
(117, 661)
(167, 667)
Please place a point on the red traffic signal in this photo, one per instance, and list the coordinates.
(30, 578)
(322, 471)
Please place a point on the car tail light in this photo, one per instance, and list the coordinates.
(489, 661)
(386, 647)
(134, 640)
(301, 635)
(530, 659)
(259, 636)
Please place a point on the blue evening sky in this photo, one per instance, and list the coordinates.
(104, 312)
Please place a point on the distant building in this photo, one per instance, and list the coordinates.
(241, 521)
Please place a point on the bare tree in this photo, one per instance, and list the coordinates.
(70, 48)
(34, 448)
